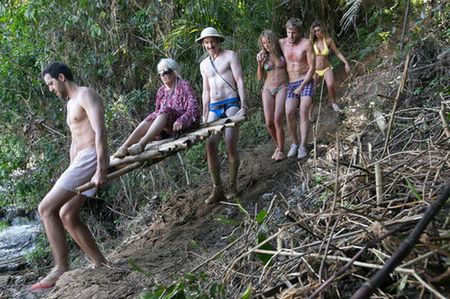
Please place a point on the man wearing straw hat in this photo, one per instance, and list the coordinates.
(223, 96)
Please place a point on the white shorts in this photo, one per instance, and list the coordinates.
(80, 171)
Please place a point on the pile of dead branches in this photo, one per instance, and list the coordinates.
(376, 185)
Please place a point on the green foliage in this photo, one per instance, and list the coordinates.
(413, 189)
(196, 161)
(261, 216)
(41, 253)
(247, 293)
(4, 224)
(262, 236)
(318, 179)
(113, 47)
(189, 286)
(227, 221)
(253, 131)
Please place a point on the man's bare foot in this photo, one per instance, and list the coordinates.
(232, 193)
(216, 195)
(99, 265)
(48, 281)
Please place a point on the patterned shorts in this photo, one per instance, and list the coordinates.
(308, 90)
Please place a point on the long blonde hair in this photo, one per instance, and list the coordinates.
(271, 38)
(312, 35)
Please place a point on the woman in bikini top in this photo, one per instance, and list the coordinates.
(322, 44)
(272, 71)
(270, 65)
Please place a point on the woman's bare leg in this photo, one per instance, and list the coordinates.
(329, 79)
(280, 101)
(269, 108)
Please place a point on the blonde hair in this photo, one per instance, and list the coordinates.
(294, 23)
(271, 38)
(169, 63)
(312, 35)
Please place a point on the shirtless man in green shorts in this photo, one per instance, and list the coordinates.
(223, 96)
(60, 208)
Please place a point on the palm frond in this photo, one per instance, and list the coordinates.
(349, 17)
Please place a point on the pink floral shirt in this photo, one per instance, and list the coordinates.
(181, 105)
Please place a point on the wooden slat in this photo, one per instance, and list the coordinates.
(161, 149)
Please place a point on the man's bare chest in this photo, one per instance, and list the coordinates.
(218, 66)
(75, 113)
(294, 54)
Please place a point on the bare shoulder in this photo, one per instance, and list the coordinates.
(306, 45)
(203, 63)
(306, 42)
(88, 95)
(329, 41)
(229, 54)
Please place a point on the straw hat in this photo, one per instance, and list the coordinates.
(210, 32)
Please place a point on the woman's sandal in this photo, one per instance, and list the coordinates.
(121, 152)
(275, 153)
(279, 156)
(46, 283)
(41, 287)
(136, 149)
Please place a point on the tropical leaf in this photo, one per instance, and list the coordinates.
(349, 17)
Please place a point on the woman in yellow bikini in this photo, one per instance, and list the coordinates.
(322, 44)
(272, 69)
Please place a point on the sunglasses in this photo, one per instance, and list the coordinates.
(165, 72)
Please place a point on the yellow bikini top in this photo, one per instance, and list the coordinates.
(325, 50)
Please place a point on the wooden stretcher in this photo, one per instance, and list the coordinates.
(159, 150)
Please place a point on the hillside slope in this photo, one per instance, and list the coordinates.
(317, 213)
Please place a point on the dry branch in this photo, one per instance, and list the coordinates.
(444, 121)
(367, 288)
(394, 108)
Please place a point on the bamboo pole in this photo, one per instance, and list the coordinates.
(350, 263)
(159, 150)
(405, 22)
(444, 121)
(379, 183)
(405, 247)
(110, 176)
(394, 108)
(316, 126)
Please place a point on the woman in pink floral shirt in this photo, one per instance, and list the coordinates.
(176, 109)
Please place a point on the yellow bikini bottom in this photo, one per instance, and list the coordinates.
(321, 73)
